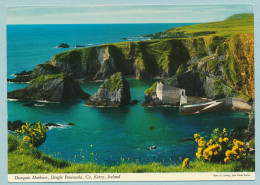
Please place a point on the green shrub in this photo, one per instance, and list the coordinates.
(152, 90)
(13, 143)
(115, 82)
(252, 143)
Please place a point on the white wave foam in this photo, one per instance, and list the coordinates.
(61, 126)
(18, 82)
(40, 105)
(90, 44)
(45, 101)
(9, 99)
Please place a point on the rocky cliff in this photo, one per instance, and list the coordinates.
(114, 92)
(212, 59)
(54, 88)
(223, 67)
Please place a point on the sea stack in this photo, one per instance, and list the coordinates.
(114, 92)
(54, 88)
(63, 45)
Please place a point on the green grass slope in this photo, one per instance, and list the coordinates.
(236, 24)
(23, 159)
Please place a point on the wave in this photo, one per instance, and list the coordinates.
(9, 99)
(18, 82)
(90, 44)
(60, 126)
(45, 101)
(40, 105)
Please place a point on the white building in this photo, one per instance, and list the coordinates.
(170, 95)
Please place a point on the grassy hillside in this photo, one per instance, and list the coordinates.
(236, 24)
(23, 159)
(239, 16)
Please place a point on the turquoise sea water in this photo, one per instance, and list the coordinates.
(116, 134)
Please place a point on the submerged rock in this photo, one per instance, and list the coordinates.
(28, 104)
(71, 124)
(54, 88)
(152, 148)
(114, 92)
(151, 127)
(134, 102)
(52, 125)
(186, 140)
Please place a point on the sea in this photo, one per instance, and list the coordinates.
(103, 135)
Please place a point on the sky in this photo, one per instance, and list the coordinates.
(122, 14)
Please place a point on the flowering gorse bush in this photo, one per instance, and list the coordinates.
(185, 163)
(34, 134)
(237, 152)
(219, 147)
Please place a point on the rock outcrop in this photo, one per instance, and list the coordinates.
(63, 45)
(23, 76)
(114, 92)
(13, 126)
(54, 88)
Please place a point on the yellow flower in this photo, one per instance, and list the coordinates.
(198, 155)
(228, 153)
(200, 149)
(216, 130)
(220, 140)
(238, 157)
(234, 150)
(224, 130)
(196, 135)
(226, 139)
(27, 138)
(185, 162)
(90, 145)
(227, 160)
(210, 153)
(215, 153)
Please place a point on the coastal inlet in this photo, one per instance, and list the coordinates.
(121, 134)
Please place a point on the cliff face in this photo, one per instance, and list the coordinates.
(139, 59)
(223, 66)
